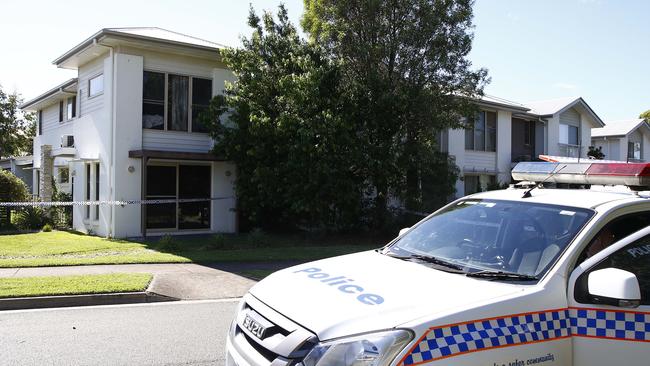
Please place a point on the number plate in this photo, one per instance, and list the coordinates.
(254, 327)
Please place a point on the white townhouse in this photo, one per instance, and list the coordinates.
(126, 128)
(505, 132)
(623, 140)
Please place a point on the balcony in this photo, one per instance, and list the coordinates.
(570, 151)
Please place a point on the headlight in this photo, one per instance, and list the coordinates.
(374, 349)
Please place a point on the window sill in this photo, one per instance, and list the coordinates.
(175, 131)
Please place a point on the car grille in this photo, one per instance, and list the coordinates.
(284, 342)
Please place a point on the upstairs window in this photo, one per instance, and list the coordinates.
(71, 110)
(569, 134)
(178, 102)
(153, 100)
(634, 150)
(482, 136)
(96, 86)
(60, 111)
(201, 95)
(40, 122)
(174, 102)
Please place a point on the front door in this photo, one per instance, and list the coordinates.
(606, 331)
(178, 182)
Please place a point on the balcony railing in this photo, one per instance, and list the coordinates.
(570, 151)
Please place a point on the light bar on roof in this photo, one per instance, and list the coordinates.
(628, 174)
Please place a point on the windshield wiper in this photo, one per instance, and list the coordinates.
(428, 259)
(500, 275)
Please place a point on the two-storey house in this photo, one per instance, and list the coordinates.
(623, 140)
(127, 128)
(505, 132)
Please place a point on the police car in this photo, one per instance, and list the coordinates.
(522, 276)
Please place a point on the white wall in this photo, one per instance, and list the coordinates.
(224, 214)
(128, 136)
(457, 151)
(504, 146)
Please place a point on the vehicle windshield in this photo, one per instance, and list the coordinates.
(495, 237)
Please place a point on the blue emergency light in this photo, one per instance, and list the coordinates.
(619, 173)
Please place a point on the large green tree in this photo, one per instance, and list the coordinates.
(17, 129)
(281, 123)
(406, 74)
(645, 116)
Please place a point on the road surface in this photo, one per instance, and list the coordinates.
(173, 333)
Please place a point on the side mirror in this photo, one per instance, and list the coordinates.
(613, 286)
(403, 231)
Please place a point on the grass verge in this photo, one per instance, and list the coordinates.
(59, 248)
(74, 285)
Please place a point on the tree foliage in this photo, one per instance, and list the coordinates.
(296, 156)
(404, 64)
(646, 116)
(12, 189)
(17, 129)
(596, 152)
(321, 129)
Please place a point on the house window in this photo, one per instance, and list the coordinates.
(96, 86)
(96, 190)
(174, 102)
(177, 102)
(634, 150)
(482, 136)
(179, 181)
(478, 183)
(60, 111)
(71, 110)
(88, 185)
(569, 134)
(40, 122)
(529, 131)
(153, 100)
(201, 95)
(64, 175)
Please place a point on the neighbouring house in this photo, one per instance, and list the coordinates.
(506, 132)
(127, 128)
(20, 166)
(623, 140)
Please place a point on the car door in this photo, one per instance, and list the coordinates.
(609, 324)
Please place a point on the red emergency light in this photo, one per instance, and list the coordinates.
(635, 175)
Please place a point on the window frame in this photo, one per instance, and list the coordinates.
(486, 132)
(70, 108)
(568, 134)
(40, 122)
(61, 114)
(90, 80)
(191, 77)
(631, 152)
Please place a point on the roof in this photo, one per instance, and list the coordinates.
(501, 102)
(619, 128)
(55, 93)
(142, 33)
(551, 107)
(584, 198)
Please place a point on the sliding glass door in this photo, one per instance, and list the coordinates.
(182, 181)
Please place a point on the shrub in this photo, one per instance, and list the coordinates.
(30, 218)
(258, 238)
(12, 189)
(168, 243)
(47, 228)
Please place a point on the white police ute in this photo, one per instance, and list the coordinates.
(531, 276)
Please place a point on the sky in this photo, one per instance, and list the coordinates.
(533, 50)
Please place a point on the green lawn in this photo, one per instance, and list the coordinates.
(74, 285)
(60, 248)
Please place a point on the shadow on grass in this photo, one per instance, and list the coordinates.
(257, 254)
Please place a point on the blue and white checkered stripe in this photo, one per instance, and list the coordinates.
(621, 325)
(484, 334)
(457, 339)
